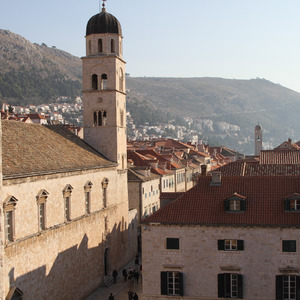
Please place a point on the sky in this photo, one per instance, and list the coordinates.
(235, 39)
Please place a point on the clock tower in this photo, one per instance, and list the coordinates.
(258, 139)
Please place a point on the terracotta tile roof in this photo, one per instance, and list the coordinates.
(171, 196)
(204, 204)
(133, 175)
(252, 168)
(33, 149)
(280, 157)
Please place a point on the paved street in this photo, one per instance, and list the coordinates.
(119, 289)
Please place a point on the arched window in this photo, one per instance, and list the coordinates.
(95, 82)
(104, 119)
(67, 191)
(99, 118)
(121, 80)
(112, 46)
(104, 191)
(9, 206)
(87, 197)
(100, 46)
(41, 200)
(122, 117)
(95, 118)
(90, 47)
(103, 82)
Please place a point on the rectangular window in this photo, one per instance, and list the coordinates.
(172, 243)
(9, 225)
(230, 285)
(42, 216)
(289, 246)
(231, 245)
(287, 287)
(172, 283)
(235, 205)
(67, 209)
(295, 204)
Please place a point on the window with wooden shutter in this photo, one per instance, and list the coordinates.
(230, 285)
(171, 283)
(231, 245)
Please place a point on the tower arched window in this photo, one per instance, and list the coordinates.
(121, 80)
(95, 119)
(95, 82)
(100, 46)
(104, 118)
(103, 82)
(99, 118)
(122, 117)
(90, 47)
(112, 46)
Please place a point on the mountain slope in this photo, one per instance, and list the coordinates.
(35, 73)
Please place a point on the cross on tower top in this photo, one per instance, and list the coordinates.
(103, 5)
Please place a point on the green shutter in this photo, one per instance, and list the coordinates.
(221, 244)
(279, 287)
(181, 284)
(221, 285)
(227, 205)
(243, 204)
(240, 245)
(164, 283)
(287, 205)
(240, 286)
(297, 287)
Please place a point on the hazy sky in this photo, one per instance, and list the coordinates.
(238, 39)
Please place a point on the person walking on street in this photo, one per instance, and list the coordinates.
(130, 295)
(124, 272)
(111, 297)
(135, 296)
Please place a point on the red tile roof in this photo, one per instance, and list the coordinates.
(280, 157)
(204, 204)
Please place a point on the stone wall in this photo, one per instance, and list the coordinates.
(66, 260)
(200, 260)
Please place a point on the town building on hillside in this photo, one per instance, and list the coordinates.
(228, 237)
(65, 219)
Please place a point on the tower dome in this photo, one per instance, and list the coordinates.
(103, 23)
(257, 127)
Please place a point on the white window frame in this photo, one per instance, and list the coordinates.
(231, 245)
(289, 287)
(173, 281)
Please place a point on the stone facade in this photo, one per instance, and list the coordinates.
(200, 261)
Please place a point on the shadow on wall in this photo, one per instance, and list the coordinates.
(79, 270)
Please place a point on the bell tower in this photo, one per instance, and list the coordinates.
(258, 139)
(104, 97)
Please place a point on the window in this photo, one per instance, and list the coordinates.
(171, 283)
(112, 46)
(288, 246)
(236, 203)
(41, 202)
(104, 192)
(230, 285)
(94, 82)
(90, 47)
(87, 197)
(292, 202)
(103, 82)
(121, 80)
(100, 46)
(231, 245)
(287, 287)
(172, 243)
(67, 201)
(9, 206)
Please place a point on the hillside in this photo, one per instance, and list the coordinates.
(223, 110)
(32, 73)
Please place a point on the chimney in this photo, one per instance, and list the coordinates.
(215, 179)
(203, 170)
